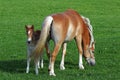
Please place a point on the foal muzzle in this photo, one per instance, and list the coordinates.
(29, 40)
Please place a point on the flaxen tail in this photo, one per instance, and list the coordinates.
(43, 37)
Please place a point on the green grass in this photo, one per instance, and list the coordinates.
(104, 16)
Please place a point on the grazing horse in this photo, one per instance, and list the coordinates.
(32, 39)
(63, 27)
(87, 21)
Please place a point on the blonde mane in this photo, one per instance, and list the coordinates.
(87, 21)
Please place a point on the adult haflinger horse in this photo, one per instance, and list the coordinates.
(63, 27)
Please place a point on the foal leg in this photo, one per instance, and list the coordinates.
(28, 64)
(36, 60)
(62, 67)
(79, 45)
(41, 61)
(53, 57)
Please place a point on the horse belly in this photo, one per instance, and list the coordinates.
(70, 33)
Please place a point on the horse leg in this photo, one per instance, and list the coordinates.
(62, 67)
(53, 57)
(79, 45)
(28, 64)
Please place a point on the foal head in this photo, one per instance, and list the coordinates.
(29, 32)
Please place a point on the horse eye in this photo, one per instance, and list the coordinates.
(93, 51)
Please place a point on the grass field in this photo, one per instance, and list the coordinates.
(105, 19)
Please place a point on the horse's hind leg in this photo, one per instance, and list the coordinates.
(79, 45)
(62, 67)
(53, 57)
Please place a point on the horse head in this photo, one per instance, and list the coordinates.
(89, 54)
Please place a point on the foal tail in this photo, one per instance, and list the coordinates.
(43, 36)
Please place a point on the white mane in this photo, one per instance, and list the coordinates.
(87, 21)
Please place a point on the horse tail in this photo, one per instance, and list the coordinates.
(43, 36)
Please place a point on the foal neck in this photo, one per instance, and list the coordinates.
(36, 36)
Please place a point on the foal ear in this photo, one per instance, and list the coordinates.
(26, 26)
(32, 27)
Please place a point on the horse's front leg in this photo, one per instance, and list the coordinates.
(79, 45)
(62, 67)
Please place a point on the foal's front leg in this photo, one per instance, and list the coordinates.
(28, 64)
(62, 67)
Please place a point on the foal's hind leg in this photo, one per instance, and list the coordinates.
(36, 60)
(79, 45)
(62, 67)
(47, 49)
(41, 61)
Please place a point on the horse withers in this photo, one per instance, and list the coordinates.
(32, 39)
(63, 27)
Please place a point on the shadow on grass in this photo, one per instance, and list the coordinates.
(13, 66)
(19, 66)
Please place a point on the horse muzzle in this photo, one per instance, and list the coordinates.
(91, 61)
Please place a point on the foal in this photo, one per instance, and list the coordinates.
(32, 39)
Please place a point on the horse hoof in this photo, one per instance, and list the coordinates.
(62, 67)
(52, 74)
(81, 67)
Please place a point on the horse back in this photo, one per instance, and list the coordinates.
(67, 25)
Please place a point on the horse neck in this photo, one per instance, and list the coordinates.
(86, 38)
